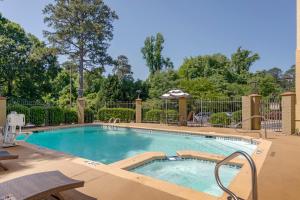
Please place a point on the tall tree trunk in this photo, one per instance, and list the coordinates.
(80, 91)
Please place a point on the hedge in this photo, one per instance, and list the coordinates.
(37, 115)
(20, 109)
(88, 115)
(157, 115)
(124, 114)
(237, 116)
(70, 116)
(55, 115)
(219, 119)
(154, 115)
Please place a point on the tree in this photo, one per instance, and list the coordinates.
(14, 49)
(162, 82)
(242, 60)
(122, 68)
(152, 53)
(82, 30)
(203, 66)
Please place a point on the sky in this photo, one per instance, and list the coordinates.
(190, 28)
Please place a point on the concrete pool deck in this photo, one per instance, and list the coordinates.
(279, 177)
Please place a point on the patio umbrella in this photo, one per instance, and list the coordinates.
(173, 94)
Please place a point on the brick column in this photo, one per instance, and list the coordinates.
(182, 111)
(255, 110)
(138, 110)
(251, 107)
(2, 111)
(288, 112)
(80, 110)
(246, 113)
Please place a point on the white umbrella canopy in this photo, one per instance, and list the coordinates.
(175, 94)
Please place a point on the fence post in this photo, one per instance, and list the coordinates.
(138, 110)
(251, 107)
(288, 103)
(182, 111)
(80, 110)
(2, 111)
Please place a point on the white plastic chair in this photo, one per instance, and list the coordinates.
(13, 121)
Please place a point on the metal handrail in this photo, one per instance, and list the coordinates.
(253, 176)
(253, 116)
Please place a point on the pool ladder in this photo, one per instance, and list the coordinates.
(253, 175)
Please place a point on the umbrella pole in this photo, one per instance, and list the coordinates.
(166, 111)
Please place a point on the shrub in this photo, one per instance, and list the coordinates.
(55, 115)
(124, 114)
(37, 115)
(172, 115)
(154, 115)
(20, 109)
(88, 115)
(219, 119)
(237, 116)
(70, 116)
(157, 115)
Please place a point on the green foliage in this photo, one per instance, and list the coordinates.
(203, 66)
(237, 116)
(219, 119)
(88, 115)
(200, 88)
(70, 116)
(162, 82)
(37, 115)
(124, 114)
(20, 109)
(157, 115)
(55, 115)
(152, 53)
(154, 115)
(26, 64)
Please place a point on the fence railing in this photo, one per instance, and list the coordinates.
(214, 112)
(38, 113)
(271, 110)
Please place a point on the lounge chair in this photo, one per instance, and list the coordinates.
(5, 155)
(38, 186)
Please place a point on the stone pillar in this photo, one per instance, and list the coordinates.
(182, 111)
(2, 111)
(297, 75)
(246, 113)
(288, 112)
(80, 110)
(251, 107)
(138, 110)
(255, 110)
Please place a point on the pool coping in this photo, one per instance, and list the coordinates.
(240, 183)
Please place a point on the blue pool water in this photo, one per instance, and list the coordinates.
(194, 174)
(107, 145)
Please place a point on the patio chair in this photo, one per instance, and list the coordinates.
(5, 155)
(38, 186)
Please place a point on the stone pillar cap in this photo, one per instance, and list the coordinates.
(255, 95)
(288, 94)
(2, 98)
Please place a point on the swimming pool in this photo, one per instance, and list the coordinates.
(192, 173)
(107, 145)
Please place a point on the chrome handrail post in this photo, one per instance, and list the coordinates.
(253, 174)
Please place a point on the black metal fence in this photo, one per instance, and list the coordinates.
(39, 113)
(214, 112)
(271, 112)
